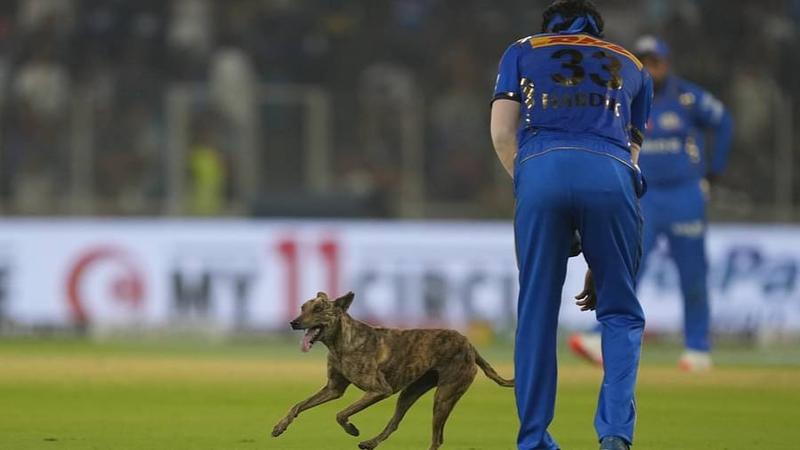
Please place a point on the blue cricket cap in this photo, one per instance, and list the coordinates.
(651, 45)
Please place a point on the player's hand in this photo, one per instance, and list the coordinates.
(587, 299)
(636, 149)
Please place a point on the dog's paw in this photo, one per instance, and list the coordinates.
(280, 428)
(351, 429)
(368, 445)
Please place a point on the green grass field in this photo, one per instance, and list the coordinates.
(83, 395)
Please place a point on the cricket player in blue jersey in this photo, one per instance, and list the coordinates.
(567, 123)
(673, 160)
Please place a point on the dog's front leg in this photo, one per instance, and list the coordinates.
(333, 390)
(369, 399)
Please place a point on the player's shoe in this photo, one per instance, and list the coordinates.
(614, 443)
(587, 346)
(695, 361)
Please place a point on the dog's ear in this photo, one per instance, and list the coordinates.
(344, 301)
(322, 295)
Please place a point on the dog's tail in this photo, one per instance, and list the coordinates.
(489, 370)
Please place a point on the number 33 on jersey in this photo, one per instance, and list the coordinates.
(577, 84)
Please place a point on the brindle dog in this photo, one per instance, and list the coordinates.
(382, 362)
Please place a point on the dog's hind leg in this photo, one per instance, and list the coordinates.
(369, 399)
(407, 397)
(335, 388)
(447, 395)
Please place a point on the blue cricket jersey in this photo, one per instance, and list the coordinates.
(673, 151)
(575, 88)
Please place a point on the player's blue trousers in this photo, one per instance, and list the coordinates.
(677, 212)
(557, 192)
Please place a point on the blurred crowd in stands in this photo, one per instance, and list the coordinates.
(98, 73)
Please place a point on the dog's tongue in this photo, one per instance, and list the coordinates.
(305, 344)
